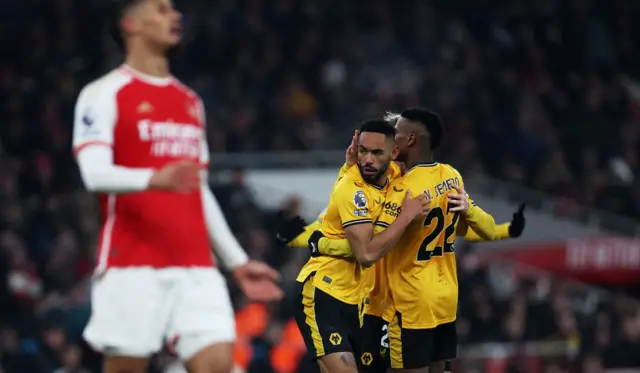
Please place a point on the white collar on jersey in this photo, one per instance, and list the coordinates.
(150, 79)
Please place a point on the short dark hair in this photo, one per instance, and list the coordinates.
(431, 121)
(117, 11)
(378, 126)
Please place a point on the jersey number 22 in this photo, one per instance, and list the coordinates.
(439, 216)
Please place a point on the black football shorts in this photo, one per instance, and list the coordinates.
(327, 324)
(417, 348)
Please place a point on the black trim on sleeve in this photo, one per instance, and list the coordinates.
(356, 222)
(382, 224)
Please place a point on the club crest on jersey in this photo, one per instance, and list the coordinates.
(193, 111)
(359, 199)
(144, 107)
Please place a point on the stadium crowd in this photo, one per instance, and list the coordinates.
(538, 93)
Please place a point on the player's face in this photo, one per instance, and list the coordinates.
(375, 152)
(158, 22)
(403, 138)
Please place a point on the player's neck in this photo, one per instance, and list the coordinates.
(419, 158)
(148, 62)
(381, 181)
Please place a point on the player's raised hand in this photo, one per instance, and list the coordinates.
(258, 282)
(458, 202)
(181, 177)
(351, 157)
(290, 228)
(414, 207)
(518, 222)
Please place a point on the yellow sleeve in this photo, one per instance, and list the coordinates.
(302, 240)
(352, 203)
(337, 248)
(484, 226)
(343, 170)
(353, 208)
(481, 223)
(501, 232)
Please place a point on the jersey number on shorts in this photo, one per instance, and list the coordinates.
(439, 216)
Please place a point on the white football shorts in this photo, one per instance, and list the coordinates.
(135, 311)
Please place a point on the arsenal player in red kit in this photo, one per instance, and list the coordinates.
(140, 142)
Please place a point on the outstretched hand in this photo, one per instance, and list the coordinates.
(257, 281)
(518, 222)
(289, 229)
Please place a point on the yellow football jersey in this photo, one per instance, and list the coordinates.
(353, 201)
(344, 250)
(421, 269)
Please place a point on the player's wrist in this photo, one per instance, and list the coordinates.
(145, 178)
(470, 212)
(404, 219)
(237, 263)
(156, 180)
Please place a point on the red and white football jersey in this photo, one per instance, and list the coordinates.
(149, 122)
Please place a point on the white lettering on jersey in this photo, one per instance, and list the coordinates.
(171, 139)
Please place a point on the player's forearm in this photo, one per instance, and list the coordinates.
(381, 243)
(336, 248)
(226, 245)
(480, 222)
(99, 174)
(501, 233)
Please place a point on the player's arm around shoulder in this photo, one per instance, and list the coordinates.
(479, 221)
(477, 224)
(497, 232)
(369, 248)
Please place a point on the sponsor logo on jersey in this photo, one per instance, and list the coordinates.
(192, 110)
(392, 209)
(168, 138)
(383, 351)
(361, 212)
(144, 107)
(397, 190)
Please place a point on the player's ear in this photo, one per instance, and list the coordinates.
(394, 153)
(127, 24)
(411, 139)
